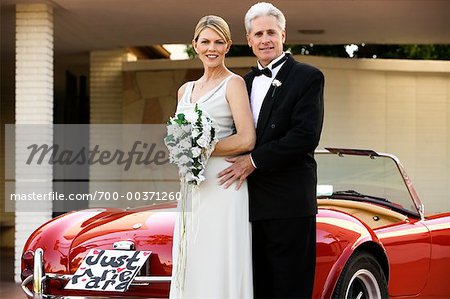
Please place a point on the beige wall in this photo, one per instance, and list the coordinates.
(395, 106)
(399, 107)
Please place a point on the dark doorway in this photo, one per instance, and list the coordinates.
(71, 117)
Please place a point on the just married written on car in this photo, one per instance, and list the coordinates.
(108, 270)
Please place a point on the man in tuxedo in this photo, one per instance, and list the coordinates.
(287, 104)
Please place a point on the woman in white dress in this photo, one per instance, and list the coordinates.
(218, 234)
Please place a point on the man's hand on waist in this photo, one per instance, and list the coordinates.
(241, 168)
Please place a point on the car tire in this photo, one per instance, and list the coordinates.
(362, 278)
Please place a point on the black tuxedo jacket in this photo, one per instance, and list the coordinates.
(287, 133)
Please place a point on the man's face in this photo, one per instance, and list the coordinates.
(266, 39)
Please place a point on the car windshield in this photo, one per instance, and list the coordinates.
(374, 178)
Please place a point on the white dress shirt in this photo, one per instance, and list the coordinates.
(260, 87)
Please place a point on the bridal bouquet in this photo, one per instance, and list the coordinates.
(191, 139)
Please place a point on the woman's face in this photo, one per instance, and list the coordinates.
(211, 48)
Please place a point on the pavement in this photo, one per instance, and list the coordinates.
(11, 290)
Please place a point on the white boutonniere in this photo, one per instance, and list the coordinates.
(276, 83)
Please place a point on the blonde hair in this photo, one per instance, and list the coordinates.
(215, 23)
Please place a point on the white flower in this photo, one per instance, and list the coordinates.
(276, 83)
(184, 143)
(189, 176)
(205, 120)
(207, 127)
(196, 151)
(175, 131)
(183, 159)
(184, 130)
(191, 116)
(201, 178)
(195, 132)
(203, 141)
(206, 136)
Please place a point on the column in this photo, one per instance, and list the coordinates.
(34, 115)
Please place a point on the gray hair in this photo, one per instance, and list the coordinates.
(263, 9)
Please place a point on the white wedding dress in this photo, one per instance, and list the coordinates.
(218, 241)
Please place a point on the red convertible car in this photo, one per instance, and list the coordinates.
(373, 241)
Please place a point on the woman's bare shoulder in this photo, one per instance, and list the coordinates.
(236, 81)
(181, 90)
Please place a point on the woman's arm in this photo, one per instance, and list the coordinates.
(244, 139)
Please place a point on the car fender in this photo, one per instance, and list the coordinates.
(339, 236)
(55, 236)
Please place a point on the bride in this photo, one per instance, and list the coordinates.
(218, 243)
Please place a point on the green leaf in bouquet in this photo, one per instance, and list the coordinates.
(181, 119)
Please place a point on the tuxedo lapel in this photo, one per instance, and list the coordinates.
(249, 82)
(269, 99)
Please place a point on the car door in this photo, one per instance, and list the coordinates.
(408, 247)
(438, 282)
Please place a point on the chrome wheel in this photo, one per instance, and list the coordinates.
(363, 285)
(361, 278)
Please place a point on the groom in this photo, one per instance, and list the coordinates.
(287, 104)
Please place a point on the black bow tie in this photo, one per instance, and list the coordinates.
(266, 71)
